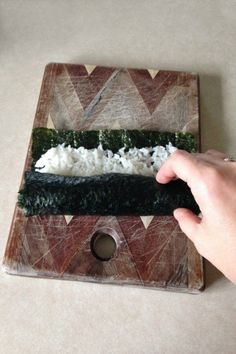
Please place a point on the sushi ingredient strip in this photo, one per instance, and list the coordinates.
(110, 194)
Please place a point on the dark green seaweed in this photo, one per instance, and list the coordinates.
(43, 139)
(109, 194)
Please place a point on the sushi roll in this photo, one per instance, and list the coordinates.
(104, 173)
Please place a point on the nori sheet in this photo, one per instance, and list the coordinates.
(43, 139)
(109, 194)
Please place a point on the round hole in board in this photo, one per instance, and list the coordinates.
(103, 246)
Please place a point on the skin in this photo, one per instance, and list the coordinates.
(213, 184)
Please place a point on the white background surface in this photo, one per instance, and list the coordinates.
(49, 316)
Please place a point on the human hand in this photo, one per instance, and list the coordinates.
(213, 184)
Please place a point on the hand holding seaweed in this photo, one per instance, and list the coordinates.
(212, 180)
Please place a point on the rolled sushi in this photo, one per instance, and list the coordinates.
(103, 173)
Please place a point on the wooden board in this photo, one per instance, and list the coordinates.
(151, 251)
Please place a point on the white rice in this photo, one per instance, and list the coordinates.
(68, 161)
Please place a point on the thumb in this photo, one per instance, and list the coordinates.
(188, 221)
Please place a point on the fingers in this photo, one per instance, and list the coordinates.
(211, 157)
(181, 164)
(188, 222)
(216, 154)
(186, 166)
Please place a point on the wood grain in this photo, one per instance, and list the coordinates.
(151, 251)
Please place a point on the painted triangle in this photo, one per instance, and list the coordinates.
(90, 68)
(146, 220)
(50, 124)
(68, 218)
(153, 73)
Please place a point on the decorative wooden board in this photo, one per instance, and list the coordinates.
(151, 251)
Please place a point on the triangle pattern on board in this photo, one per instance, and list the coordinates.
(122, 103)
(122, 266)
(50, 124)
(146, 220)
(153, 73)
(152, 86)
(88, 81)
(68, 218)
(89, 68)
